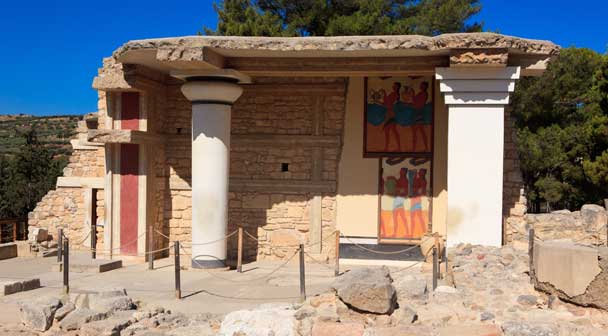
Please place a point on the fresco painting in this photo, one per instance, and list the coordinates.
(398, 115)
(405, 197)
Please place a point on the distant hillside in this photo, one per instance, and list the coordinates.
(54, 132)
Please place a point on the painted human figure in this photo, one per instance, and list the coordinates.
(416, 216)
(418, 103)
(390, 126)
(399, 204)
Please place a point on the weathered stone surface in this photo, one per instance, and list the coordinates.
(404, 315)
(64, 311)
(471, 330)
(594, 217)
(521, 328)
(342, 329)
(588, 291)
(109, 327)
(367, 289)
(410, 288)
(110, 300)
(38, 314)
(277, 320)
(80, 316)
(567, 266)
(191, 48)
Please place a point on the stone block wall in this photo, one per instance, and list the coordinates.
(513, 199)
(65, 206)
(276, 212)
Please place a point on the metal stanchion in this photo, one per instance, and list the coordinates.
(302, 275)
(531, 253)
(150, 248)
(66, 266)
(337, 267)
(239, 257)
(178, 285)
(59, 243)
(435, 257)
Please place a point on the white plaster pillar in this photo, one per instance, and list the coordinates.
(212, 98)
(475, 98)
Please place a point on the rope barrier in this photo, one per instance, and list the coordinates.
(385, 252)
(331, 235)
(248, 280)
(217, 240)
(160, 233)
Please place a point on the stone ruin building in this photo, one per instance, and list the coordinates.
(384, 138)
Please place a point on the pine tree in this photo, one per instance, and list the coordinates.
(344, 17)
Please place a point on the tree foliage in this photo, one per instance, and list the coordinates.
(562, 122)
(344, 17)
(27, 176)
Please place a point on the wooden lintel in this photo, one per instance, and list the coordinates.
(267, 185)
(347, 66)
(213, 58)
(279, 140)
(80, 182)
(123, 136)
(296, 89)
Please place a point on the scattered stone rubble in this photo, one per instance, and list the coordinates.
(488, 292)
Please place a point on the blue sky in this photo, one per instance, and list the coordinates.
(51, 49)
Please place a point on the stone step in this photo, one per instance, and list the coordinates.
(8, 250)
(83, 265)
(12, 286)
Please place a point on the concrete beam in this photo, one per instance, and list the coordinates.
(123, 136)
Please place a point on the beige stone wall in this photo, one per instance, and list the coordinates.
(65, 206)
(513, 200)
(275, 212)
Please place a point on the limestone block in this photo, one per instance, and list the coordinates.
(38, 314)
(367, 289)
(256, 201)
(594, 217)
(568, 267)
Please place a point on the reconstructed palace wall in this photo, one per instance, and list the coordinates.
(70, 206)
(296, 169)
(285, 146)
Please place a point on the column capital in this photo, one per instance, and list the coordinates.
(212, 87)
(477, 86)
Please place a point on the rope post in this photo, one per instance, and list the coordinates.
(93, 240)
(302, 275)
(239, 257)
(178, 284)
(438, 249)
(337, 267)
(531, 236)
(66, 266)
(435, 271)
(59, 243)
(150, 248)
(445, 255)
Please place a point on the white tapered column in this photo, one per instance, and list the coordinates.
(212, 99)
(475, 98)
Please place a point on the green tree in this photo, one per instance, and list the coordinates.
(27, 176)
(562, 122)
(344, 17)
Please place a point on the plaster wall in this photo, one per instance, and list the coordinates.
(357, 199)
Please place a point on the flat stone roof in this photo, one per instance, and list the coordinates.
(390, 45)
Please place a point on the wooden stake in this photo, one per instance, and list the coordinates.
(178, 284)
(59, 243)
(434, 267)
(438, 249)
(302, 275)
(531, 236)
(337, 267)
(150, 247)
(66, 266)
(239, 257)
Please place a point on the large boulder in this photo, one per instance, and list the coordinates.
(368, 290)
(267, 319)
(110, 301)
(594, 217)
(38, 314)
(574, 273)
